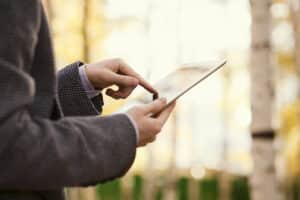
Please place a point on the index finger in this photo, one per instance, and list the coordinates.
(127, 70)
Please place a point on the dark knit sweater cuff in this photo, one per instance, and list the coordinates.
(72, 97)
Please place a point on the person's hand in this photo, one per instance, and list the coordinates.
(149, 126)
(116, 72)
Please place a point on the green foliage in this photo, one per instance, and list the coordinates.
(159, 191)
(138, 183)
(110, 190)
(209, 189)
(296, 190)
(240, 189)
(159, 195)
(183, 188)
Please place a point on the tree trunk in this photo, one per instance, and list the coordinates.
(170, 186)
(225, 176)
(85, 34)
(263, 179)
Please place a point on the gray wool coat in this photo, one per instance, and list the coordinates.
(50, 136)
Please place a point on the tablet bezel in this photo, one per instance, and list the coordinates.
(206, 75)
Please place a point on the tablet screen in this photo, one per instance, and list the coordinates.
(182, 80)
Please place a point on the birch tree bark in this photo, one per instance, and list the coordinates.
(263, 180)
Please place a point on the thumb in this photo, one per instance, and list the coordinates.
(155, 106)
(125, 81)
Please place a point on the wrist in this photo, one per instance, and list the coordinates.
(89, 75)
(134, 124)
(86, 83)
(93, 76)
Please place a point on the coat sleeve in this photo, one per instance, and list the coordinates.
(71, 98)
(38, 153)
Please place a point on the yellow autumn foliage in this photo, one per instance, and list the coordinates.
(290, 119)
(290, 129)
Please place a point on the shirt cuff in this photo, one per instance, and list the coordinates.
(135, 127)
(86, 84)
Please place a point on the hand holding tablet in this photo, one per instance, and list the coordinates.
(152, 115)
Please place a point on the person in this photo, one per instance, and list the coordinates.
(50, 134)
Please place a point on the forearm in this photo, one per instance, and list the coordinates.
(41, 154)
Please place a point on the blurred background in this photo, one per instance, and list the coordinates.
(205, 150)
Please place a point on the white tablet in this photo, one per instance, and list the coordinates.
(182, 80)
